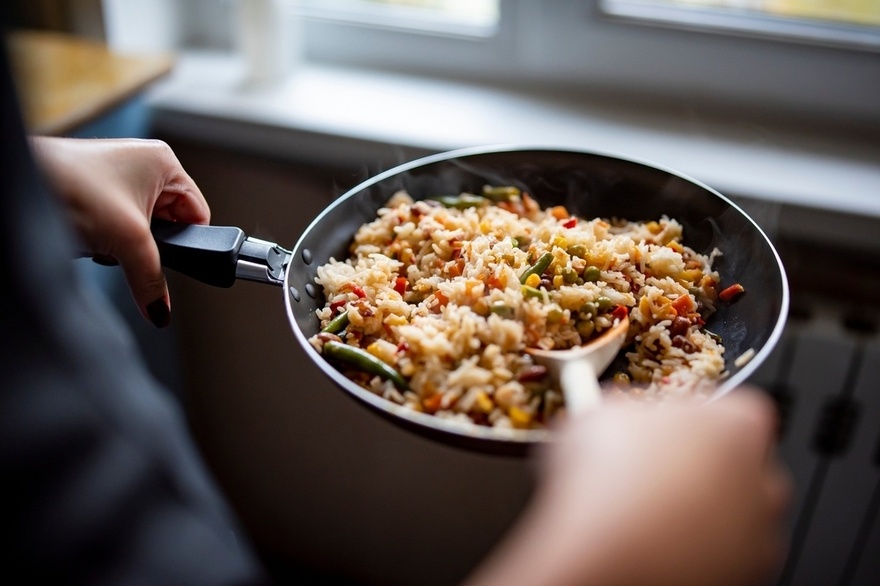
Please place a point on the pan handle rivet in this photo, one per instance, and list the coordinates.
(310, 290)
(307, 256)
(294, 293)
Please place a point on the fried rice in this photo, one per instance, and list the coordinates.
(439, 298)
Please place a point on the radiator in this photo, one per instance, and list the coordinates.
(825, 377)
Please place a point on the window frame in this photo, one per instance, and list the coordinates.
(573, 46)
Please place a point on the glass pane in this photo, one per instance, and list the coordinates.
(473, 16)
(841, 22)
(481, 12)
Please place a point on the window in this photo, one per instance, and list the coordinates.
(577, 48)
(593, 49)
(853, 23)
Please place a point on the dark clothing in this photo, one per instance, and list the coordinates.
(103, 484)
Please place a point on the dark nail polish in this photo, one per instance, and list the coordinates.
(106, 261)
(159, 313)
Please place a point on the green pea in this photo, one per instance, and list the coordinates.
(585, 328)
(590, 308)
(592, 274)
(604, 303)
(569, 275)
(578, 250)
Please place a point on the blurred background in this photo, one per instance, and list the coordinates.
(277, 107)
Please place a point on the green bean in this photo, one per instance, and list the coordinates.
(461, 202)
(713, 335)
(501, 193)
(502, 310)
(538, 268)
(531, 292)
(364, 361)
(337, 324)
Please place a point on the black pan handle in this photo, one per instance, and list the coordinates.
(218, 255)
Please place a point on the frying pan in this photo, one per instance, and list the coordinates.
(589, 184)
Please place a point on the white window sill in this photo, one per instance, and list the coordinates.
(337, 116)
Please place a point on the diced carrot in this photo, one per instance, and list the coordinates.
(730, 293)
(496, 282)
(559, 212)
(619, 312)
(432, 403)
(683, 305)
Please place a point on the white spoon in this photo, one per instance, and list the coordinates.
(577, 369)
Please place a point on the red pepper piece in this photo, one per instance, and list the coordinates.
(400, 285)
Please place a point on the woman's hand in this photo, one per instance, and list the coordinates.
(675, 494)
(112, 189)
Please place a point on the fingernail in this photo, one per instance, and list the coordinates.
(159, 313)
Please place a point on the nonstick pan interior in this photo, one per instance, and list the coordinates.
(589, 184)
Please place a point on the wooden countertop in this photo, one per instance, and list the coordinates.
(66, 81)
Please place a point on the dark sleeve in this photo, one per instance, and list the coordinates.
(102, 483)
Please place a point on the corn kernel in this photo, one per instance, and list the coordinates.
(676, 246)
(690, 275)
(483, 403)
(533, 280)
(560, 242)
(383, 350)
(558, 281)
(394, 320)
(654, 227)
(645, 307)
(518, 417)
